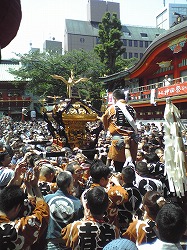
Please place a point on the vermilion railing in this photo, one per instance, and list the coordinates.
(178, 87)
(14, 101)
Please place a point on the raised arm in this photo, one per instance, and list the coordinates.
(18, 174)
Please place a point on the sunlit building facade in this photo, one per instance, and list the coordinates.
(166, 17)
(84, 34)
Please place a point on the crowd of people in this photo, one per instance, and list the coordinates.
(57, 198)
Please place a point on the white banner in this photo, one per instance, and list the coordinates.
(152, 97)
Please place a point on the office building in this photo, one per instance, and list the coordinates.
(96, 9)
(84, 34)
(52, 46)
(35, 50)
(166, 18)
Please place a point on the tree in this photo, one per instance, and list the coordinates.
(122, 64)
(37, 68)
(110, 47)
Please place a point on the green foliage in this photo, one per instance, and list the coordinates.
(122, 64)
(37, 68)
(110, 47)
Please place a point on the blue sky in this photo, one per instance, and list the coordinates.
(44, 19)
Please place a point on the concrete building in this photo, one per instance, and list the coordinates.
(84, 34)
(166, 18)
(53, 46)
(96, 9)
(34, 49)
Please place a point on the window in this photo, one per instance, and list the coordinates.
(136, 55)
(141, 54)
(130, 55)
(127, 33)
(135, 43)
(143, 34)
(146, 44)
(82, 40)
(141, 43)
(125, 55)
(125, 42)
(130, 43)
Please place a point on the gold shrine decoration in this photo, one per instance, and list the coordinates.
(75, 118)
(70, 82)
(78, 111)
(177, 44)
(164, 64)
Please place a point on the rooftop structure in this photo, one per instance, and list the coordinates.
(166, 17)
(52, 46)
(12, 98)
(84, 34)
(5, 65)
(166, 55)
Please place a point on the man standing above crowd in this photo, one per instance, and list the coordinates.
(119, 120)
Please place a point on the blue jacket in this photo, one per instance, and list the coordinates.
(64, 209)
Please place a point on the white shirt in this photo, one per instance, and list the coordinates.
(167, 82)
(160, 245)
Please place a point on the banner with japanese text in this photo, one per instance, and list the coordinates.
(172, 90)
